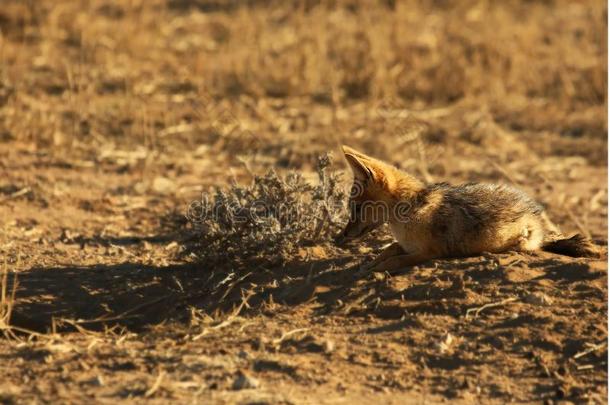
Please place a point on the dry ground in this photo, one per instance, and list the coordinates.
(114, 116)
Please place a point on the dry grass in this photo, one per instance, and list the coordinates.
(113, 114)
(7, 300)
(106, 74)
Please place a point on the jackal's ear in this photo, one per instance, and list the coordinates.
(359, 164)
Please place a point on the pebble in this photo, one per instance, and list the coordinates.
(538, 298)
(328, 346)
(244, 381)
(163, 185)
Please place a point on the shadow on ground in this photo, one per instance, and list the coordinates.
(135, 295)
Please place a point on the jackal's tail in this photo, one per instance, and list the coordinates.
(575, 246)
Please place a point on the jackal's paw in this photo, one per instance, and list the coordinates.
(396, 264)
(377, 266)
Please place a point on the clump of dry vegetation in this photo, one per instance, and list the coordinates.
(268, 219)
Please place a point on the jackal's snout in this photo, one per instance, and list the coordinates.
(350, 232)
(358, 224)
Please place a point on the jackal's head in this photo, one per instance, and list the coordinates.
(376, 188)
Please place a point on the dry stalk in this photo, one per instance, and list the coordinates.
(288, 334)
(156, 385)
(478, 310)
(230, 319)
(591, 349)
(7, 304)
(7, 299)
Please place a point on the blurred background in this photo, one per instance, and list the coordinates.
(178, 95)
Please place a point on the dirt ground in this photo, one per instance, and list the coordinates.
(116, 116)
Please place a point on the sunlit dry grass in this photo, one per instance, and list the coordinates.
(76, 73)
(7, 300)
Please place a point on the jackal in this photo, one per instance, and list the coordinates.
(441, 220)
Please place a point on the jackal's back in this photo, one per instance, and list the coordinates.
(478, 217)
(481, 205)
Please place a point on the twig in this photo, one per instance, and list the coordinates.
(590, 350)
(288, 334)
(230, 319)
(478, 310)
(585, 367)
(358, 301)
(75, 325)
(233, 284)
(7, 302)
(244, 326)
(156, 385)
(16, 194)
(96, 320)
(121, 316)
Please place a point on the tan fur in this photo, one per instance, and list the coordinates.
(439, 220)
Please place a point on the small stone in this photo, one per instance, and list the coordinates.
(445, 343)
(244, 381)
(538, 298)
(328, 346)
(364, 250)
(202, 151)
(163, 185)
(140, 187)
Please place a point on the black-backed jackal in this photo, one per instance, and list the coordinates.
(440, 220)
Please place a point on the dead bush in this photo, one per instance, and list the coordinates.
(268, 219)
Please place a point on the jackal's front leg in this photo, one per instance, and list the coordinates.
(395, 263)
(393, 250)
(395, 258)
